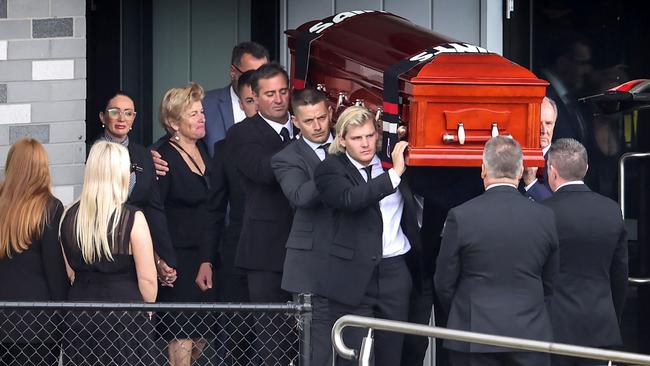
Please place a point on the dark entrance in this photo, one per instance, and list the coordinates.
(584, 49)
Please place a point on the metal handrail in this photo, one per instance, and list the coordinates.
(621, 198)
(473, 337)
(621, 176)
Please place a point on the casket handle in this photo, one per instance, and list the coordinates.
(343, 97)
(495, 130)
(321, 88)
(461, 133)
(378, 114)
(359, 103)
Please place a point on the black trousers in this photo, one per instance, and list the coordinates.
(415, 347)
(387, 297)
(321, 329)
(499, 359)
(275, 339)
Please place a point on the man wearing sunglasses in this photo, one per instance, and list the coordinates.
(222, 108)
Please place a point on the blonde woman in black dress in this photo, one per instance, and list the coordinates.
(194, 216)
(108, 247)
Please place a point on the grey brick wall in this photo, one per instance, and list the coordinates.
(43, 84)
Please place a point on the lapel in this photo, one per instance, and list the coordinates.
(353, 172)
(270, 137)
(225, 108)
(307, 152)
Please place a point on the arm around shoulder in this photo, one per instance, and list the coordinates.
(142, 249)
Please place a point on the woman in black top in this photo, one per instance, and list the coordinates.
(117, 118)
(109, 250)
(31, 262)
(194, 219)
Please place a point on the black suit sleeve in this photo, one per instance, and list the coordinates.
(552, 264)
(339, 192)
(217, 206)
(299, 188)
(618, 274)
(53, 264)
(154, 211)
(448, 263)
(253, 161)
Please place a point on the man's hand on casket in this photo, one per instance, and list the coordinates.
(530, 174)
(398, 157)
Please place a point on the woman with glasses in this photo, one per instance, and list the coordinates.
(31, 262)
(195, 214)
(110, 254)
(117, 120)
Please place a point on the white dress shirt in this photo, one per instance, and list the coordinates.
(237, 113)
(544, 151)
(278, 126)
(499, 185)
(316, 147)
(394, 242)
(571, 183)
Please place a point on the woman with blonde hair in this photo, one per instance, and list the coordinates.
(194, 217)
(31, 261)
(109, 251)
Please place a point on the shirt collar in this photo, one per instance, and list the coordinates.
(314, 145)
(546, 149)
(571, 183)
(233, 96)
(500, 185)
(278, 126)
(359, 166)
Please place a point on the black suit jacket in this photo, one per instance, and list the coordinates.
(590, 288)
(356, 247)
(497, 263)
(267, 213)
(305, 265)
(146, 196)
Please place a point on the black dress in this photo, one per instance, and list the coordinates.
(36, 274)
(194, 208)
(105, 338)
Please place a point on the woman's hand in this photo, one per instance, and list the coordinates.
(204, 276)
(166, 274)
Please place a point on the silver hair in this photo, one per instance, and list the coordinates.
(569, 158)
(502, 158)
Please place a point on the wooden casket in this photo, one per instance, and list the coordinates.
(446, 97)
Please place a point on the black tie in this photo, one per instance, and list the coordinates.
(285, 134)
(325, 148)
(368, 171)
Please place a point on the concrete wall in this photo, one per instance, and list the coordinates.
(43, 84)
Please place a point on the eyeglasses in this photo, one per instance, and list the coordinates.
(115, 112)
(237, 68)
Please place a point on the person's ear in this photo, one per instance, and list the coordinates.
(483, 171)
(101, 118)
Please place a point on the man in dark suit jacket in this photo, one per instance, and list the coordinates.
(590, 288)
(221, 106)
(497, 263)
(535, 188)
(375, 248)
(305, 264)
(267, 214)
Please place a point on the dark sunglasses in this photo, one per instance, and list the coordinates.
(136, 168)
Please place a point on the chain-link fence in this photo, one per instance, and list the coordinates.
(154, 334)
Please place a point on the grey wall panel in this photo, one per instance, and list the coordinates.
(343, 5)
(458, 19)
(171, 51)
(213, 34)
(192, 41)
(419, 12)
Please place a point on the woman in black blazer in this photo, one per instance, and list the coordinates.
(31, 261)
(117, 119)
